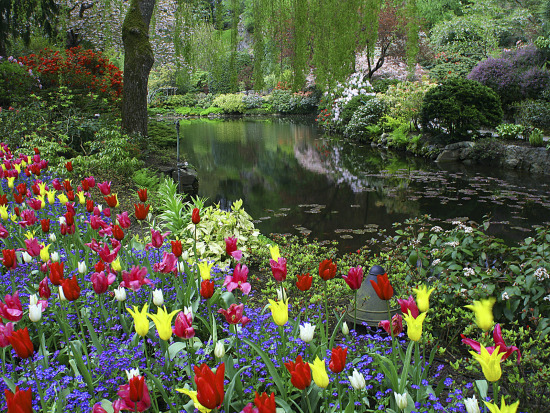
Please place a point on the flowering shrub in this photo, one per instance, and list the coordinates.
(16, 81)
(286, 101)
(77, 68)
(253, 101)
(499, 75)
(366, 116)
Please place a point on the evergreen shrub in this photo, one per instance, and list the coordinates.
(533, 114)
(459, 106)
(367, 115)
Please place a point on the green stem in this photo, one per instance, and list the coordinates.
(192, 360)
(495, 391)
(84, 345)
(391, 333)
(355, 312)
(40, 390)
(45, 360)
(307, 401)
(326, 310)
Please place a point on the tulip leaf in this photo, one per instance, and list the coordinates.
(160, 388)
(286, 407)
(270, 366)
(350, 408)
(482, 386)
(228, 299)
(336, 329)
(175, 348)
(82, 367)
(9, 383)
(231, 388)
(91, 330)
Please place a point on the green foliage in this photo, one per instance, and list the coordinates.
(536, 138)
(352, 106)
(487, 151)
(450, 64)
(367, 115)
(16, 83)
(145, 178)
(210, 111)
(230, 103)
(161, 134)
(189, 99)
(285, 101)
(534, 114)
(381, 85)
(459, 106)
(509, 131)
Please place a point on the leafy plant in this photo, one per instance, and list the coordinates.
(536, 138)
(367, 115)
(145, 178)
(230, 103)
(509, 131)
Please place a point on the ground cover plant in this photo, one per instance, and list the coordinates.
(80, 331)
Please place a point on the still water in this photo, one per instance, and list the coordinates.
(294, 180)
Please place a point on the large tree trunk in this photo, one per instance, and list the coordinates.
(138, 60)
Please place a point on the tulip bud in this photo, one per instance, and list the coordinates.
(54, 256)
(345, 329)
(158, 298)
(35, 312)
(181, 266)
(82, 268)
(219, 350)
(120, 294)
(306, 332)
(357, 380)
(281, 296)
(52, 237)
(401, 400)
(195, 216)
(61, 295)
(471, 405)
(33, 299)
(26, 257)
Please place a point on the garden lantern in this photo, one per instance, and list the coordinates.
(370, 308)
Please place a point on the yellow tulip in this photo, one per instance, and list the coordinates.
(17, 168)
(490, 363)
(279, 311)
(204, 269)
(115, 265)
(42, 201)
(63, 199)
(163, 321)
(193, 395)
(29, 234)
(51, 196)
(81, 197)
(44, 253)
(319, 372)
(140, 320)
(4, 212)
(423, 297)
(483, 310)
(512, 408)
(42, 187)
(11, 180)
(275, 254)
(414, 325)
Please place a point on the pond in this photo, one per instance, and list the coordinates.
(295, 180)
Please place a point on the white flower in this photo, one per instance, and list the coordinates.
(401, 400)
(280, 294)
(471, 405)
(120, 294)
(132, 373)
(62, 220)
(61, 295)
(357, 380)
(505, 296)
(468, 230)
(52, 237)
(547, 298)
(26, 257)
(219, 350)
(35, 312)
(158, 298)
(345, 329)
(436, 262)
(181, 265)
(469, 272)
(54, 256)
(33, 299)
(82, 268)
(452, 244)
(541, 274)
(306, 332)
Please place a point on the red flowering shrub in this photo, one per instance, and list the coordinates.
(77, 68)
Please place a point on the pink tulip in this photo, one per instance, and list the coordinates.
(238, 280)
(397, 324)
(499, 342)
(135, 278)
(407, 305)
(12, 309)
(183, 326)
(354, 279)
(168, 263)
(278, 269)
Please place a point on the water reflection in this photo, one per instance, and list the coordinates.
(293, 180)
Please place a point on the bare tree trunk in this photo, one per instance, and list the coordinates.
(138, 61)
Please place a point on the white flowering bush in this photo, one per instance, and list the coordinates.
(364, 121)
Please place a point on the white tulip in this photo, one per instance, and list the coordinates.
(82, 268)
(61, 295)
(471, 405)
(188, 310)
(26, 257)
(401, 400)
(120, 294)
(219, 350)
(132, 373)
(33, 299)
(35, 312)
(181, 266)
(306, 332)
(345, 329)
(62, 220)
(281, 296)
(158, 298)
(52, 237)
(54, 256)
(357, 380)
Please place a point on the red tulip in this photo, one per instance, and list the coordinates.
(136, 388)
(35, 188)
(407, 305)
(71, 289)
(382, 287)
(338, 359)
(21, 188)
(210, 390)
(134, 396)
(18, 198)
(85, 185)
(67, 185)
(118, 233)
(69, 218)
(397, 325)
(89, 205)
(105, 188)
(499, 342)
(56, 273)
(195, 216)
(70, 195)
(100, 266)
(234, 314)
(45, 223)
(141, 211)
(176, 248)
(265, 403)
(142, 193)
(327, 270)
(304, 282)
(207, 289)
(354, 278)
(3, 200)
(20, 401)
(111, 200)
(21, 343)
(278, 269)
(69, 166)
(44, 289)
(183, 325)
(9, 259)
(300, 373)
